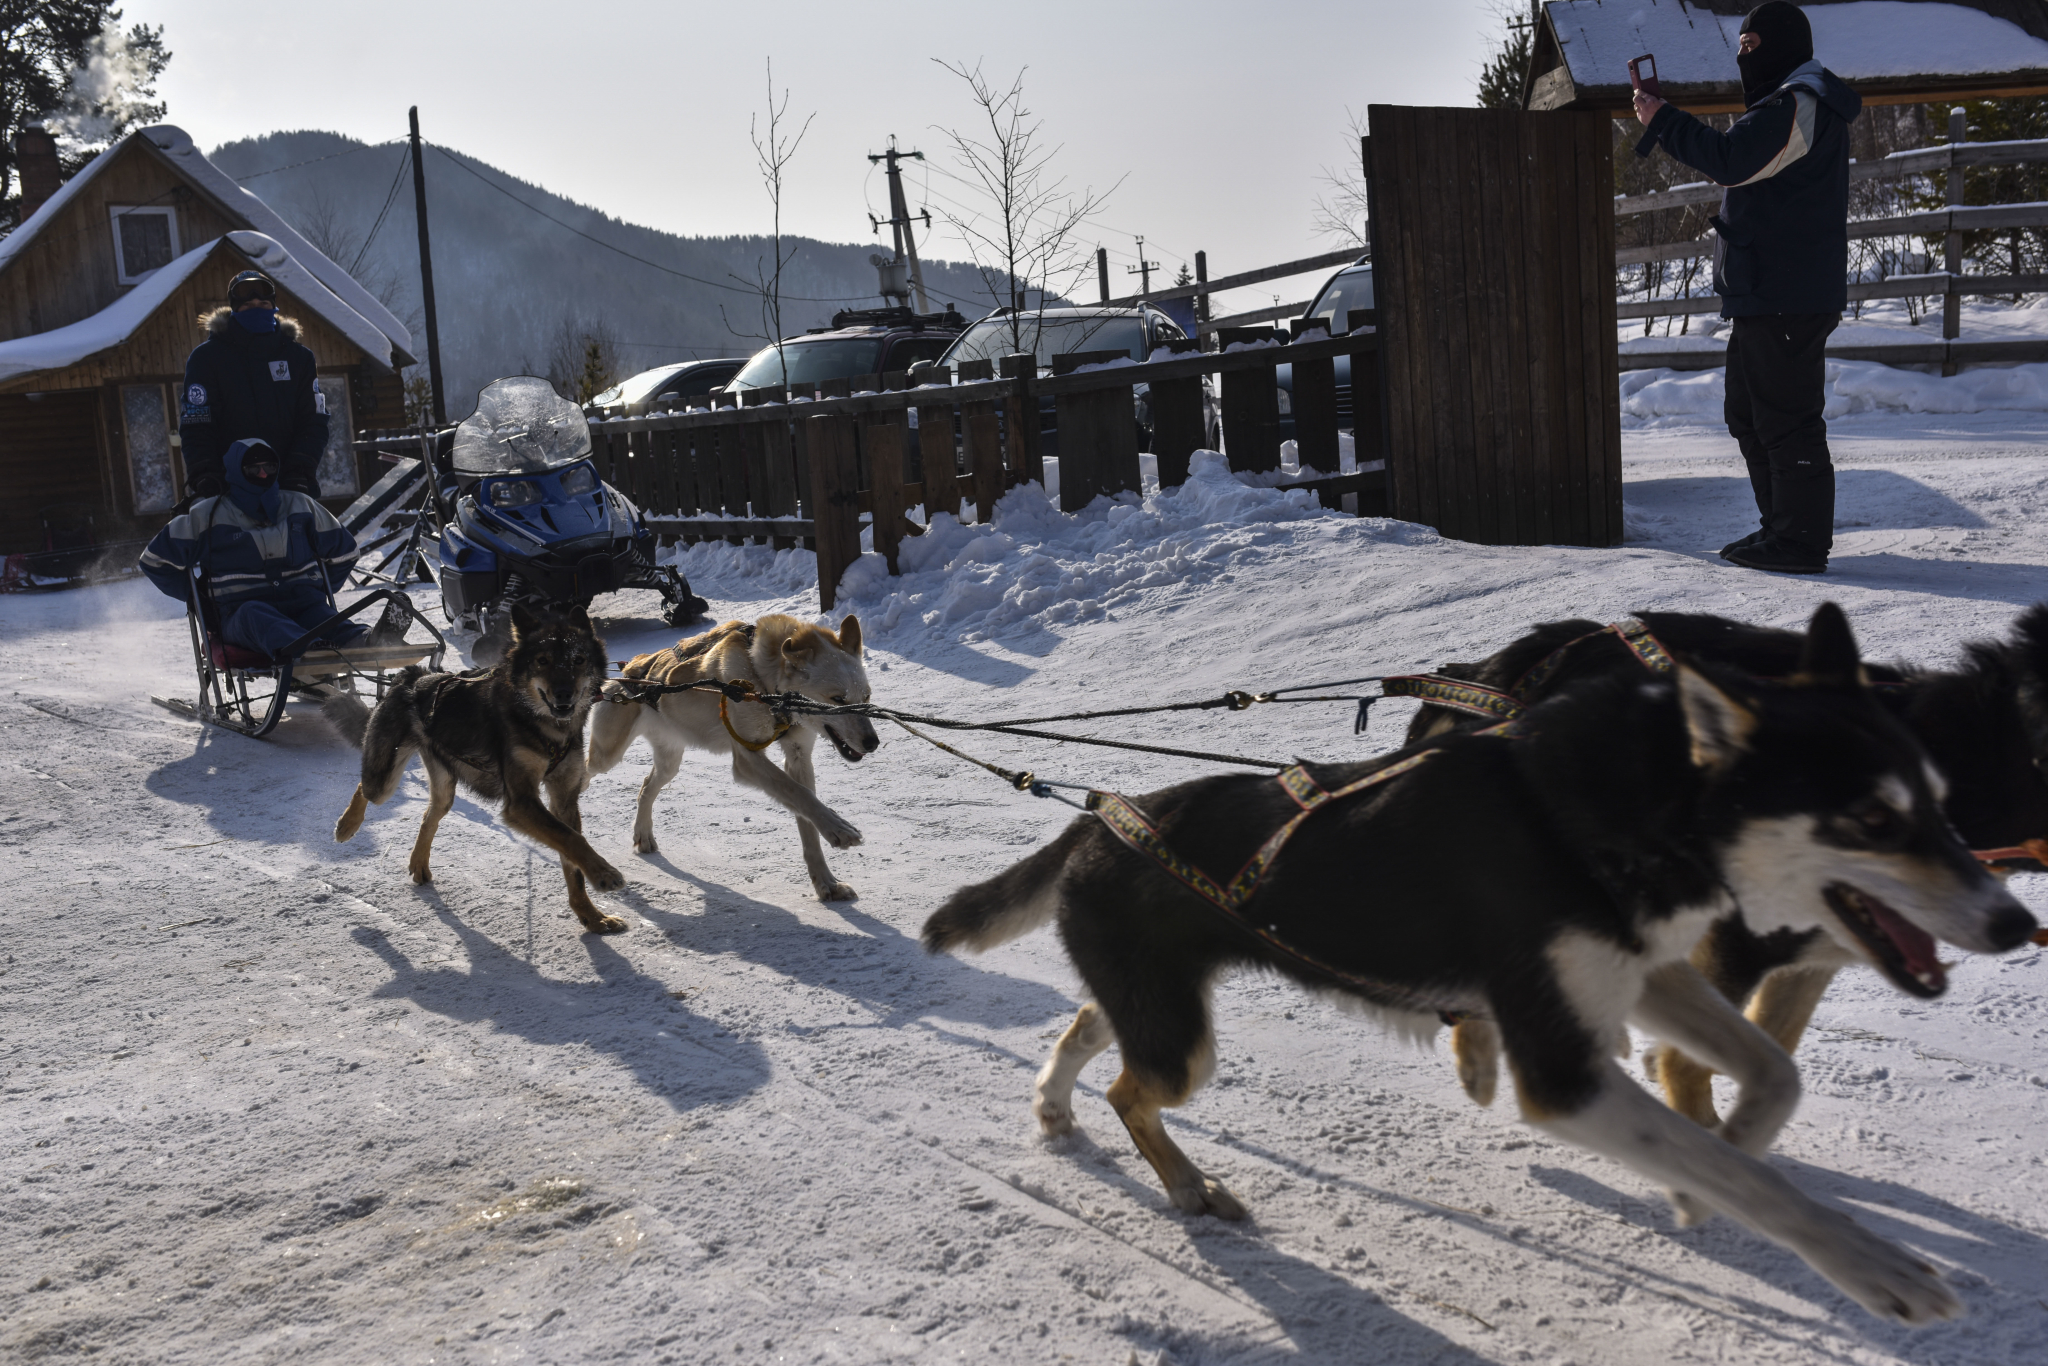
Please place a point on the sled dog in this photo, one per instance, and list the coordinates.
(504, 732)
(1984, 724)
(777, 654)
(1618, 821)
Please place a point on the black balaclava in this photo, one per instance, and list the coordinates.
(1787, 46)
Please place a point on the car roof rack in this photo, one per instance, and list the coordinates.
(898, 316)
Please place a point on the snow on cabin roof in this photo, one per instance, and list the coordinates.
(1885, 41)
(114, 324)
(172, 142)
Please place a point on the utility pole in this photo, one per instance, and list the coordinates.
(900, 219)
(1102, 272)
(1143, 270)
(419, 195)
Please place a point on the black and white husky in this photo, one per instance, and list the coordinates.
(1552, 879)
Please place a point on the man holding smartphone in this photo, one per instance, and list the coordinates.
(1780, 266)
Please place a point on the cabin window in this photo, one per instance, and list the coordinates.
(145, 240)
(149, 447)
(337, 461)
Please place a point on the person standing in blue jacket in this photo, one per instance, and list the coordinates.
(273, 556)
(1781, 266)
(251, 380)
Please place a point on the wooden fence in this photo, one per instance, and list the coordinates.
(804, 468)
(1950, 284)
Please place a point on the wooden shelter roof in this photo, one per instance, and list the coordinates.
(1888, 51)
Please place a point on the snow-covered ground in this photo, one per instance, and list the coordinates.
(265, 1100)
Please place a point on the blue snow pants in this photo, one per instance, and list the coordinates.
(267, 627)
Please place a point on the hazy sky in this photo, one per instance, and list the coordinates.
(1218, 117)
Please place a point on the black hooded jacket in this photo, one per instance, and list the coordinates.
(241, 384)
(1784, 220)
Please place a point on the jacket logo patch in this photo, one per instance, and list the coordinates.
(320, 401)
(281, 370)
(196, 395)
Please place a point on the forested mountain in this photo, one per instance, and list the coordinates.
(514, 290)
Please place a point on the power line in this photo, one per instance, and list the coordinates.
(681, 275)
(346, 151)
(388, 199)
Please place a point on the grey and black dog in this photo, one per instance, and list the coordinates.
(1617, 821)
(510, 732)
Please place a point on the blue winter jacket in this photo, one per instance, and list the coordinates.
(1784, 220)
(272, 545)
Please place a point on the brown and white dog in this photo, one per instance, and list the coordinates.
(777, 654)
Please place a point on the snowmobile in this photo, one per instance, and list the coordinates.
(523, 515)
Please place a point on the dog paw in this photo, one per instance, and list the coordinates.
(1206, 1197)
(1055, 1117)
(600, 923)
(839, 834)
(1690, 1210)
(421, 873)
(605, 878)
(646, 844)
(1888, 1280)
(836, 891)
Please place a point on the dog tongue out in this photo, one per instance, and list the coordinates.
(1914, 944)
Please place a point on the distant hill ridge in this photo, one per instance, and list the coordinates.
(506, 280)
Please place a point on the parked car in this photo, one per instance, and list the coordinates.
(666, 386)
(1348, 291)
(869, 341)
(1066, 331)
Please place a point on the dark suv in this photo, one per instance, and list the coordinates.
(869, 341)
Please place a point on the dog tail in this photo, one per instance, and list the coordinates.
(349, 717)
(1009, 905)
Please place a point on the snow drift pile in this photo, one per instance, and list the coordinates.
(1681, 398)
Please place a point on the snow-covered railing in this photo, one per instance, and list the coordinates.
(1968, 218)
(1918, 161)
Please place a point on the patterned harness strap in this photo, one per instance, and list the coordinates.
(1135, 829)
(1474, 699)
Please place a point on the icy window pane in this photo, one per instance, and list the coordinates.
(149, 447)
(145, 242)
(337, 472)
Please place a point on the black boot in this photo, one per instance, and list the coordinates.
(1778, 557)
(1753, 538)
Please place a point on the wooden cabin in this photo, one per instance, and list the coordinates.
(102, 289)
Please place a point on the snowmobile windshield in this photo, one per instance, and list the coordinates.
(521, 426)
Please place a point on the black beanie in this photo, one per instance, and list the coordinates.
(1787, 45)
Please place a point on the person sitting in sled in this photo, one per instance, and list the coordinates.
(273, 556)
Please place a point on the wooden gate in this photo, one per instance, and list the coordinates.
(1493, 271)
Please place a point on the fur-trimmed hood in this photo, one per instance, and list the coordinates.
(216, 323)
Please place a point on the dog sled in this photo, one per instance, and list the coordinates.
(245, 690)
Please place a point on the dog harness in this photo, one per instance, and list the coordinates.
(1131, 825)
(782, 727)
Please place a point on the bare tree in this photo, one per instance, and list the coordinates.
(1340, 210)
(1027, 243)
(322, 222)
(772, 153)
(583, 359)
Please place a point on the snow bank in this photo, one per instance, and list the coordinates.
(1034, 566)
(1682, 398)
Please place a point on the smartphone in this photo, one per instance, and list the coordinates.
(1637, 79)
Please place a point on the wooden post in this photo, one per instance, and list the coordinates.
(982, 430)
(1097, 433)
(778, 477)
(1179, 419)
(1315, 407)
(1201, 300)
(1952, 241)
(835, 502)
(1023, 452)
(1251, 406)
(884, 443)
(937, 461)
